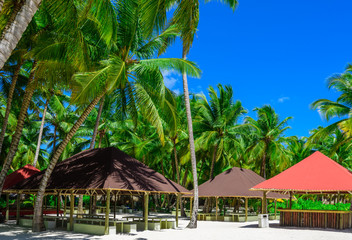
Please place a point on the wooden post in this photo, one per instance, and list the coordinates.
(264, 210)
(72, 206)
(177, 207)
(216, 208)
(18, 208)
(65, 203)
(90, 204)
(107, 212)
(190, 207)
(275, 211)
(146, 202)
(246, 209)
(290, 200)
(115, 206)
(58, 204)
(7, 206)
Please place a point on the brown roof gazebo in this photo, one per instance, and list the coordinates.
(102, 171)
(234, 183)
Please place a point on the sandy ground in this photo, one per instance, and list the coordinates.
(205, 231)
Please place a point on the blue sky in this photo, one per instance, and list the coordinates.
(272, 52)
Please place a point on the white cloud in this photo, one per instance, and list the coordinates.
(177, 91)
(170, 78)
(283, 99)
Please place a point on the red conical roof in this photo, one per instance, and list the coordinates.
(316, 173)
(19, 175)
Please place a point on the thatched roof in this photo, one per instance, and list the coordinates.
(96, 170)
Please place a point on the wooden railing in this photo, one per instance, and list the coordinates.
(316, 218)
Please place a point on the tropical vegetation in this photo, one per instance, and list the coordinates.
(82, 74)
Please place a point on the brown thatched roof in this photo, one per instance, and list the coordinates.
(101, 169)
(234, 182)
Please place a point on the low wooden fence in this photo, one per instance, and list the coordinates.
(316, 218)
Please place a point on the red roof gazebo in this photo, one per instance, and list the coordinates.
(316, 174)
(19, 175)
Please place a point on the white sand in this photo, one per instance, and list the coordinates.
(205, 231)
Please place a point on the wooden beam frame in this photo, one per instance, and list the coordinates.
(177, 207)
(146, 202)
(7, 207)
(72, 206)
(107, 212)
(18, 208)
(246, 209)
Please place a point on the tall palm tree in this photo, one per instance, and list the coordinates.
(129, 68)
(216, 122)
(268, 134)
(186, 16)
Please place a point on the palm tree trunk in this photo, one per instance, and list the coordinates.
(20, 123)
(92, 143)
(185, 175)
(40, 134)
(176, 162)
(9, 103)
(193, 222)
(38, 224)
(213, 162)
(262, 168)
(54, 140)
(13, 33)
(1, 4)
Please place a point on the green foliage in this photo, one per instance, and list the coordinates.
(309, 204)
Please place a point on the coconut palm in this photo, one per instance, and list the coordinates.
(216, 123)
(129, 69)
(341, 108)
(186, 16)
(268, 150)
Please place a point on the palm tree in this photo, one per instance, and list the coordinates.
(22, 15)
(340, 108)
(216, 123)
(130, 69)
(186, 16)
(268, 134)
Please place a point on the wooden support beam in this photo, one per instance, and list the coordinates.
(146, 202)
(90, 204)
(18, 208)
(115, 206)
(290, 200)
(72, 206)
(275, 211)
(107, 212)
(58, 204)
(216, 208)
(7, 206)
(65, 203)
(264, 208)
(246, 209)
(177, 207)
(190, 207)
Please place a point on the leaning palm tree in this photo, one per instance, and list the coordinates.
(17, 23)
(131, 69)
(268, 133)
